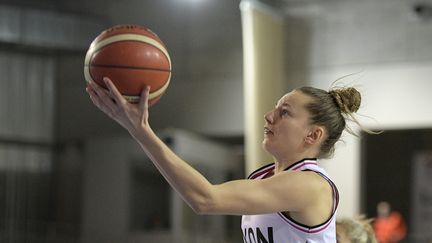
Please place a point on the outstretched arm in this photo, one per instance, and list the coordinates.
(289, 191)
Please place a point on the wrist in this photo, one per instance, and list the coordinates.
(140, 132)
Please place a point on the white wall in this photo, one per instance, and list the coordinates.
(393, 96)
(388, 46)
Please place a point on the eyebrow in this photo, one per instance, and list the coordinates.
(285, 104)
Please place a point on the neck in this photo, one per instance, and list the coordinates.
(283, 163)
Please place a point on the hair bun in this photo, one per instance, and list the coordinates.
(347, 99)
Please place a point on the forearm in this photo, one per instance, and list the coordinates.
(194, 188)
(191, 185)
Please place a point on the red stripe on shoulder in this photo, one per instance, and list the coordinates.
(262, 170)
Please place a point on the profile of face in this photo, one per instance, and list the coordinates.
(287, 125)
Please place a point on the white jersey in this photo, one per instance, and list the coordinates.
(279, 227)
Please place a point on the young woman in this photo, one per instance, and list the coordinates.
(291, 200)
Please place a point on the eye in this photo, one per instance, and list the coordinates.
(285, 112)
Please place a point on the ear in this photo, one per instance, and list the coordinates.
(315, 135)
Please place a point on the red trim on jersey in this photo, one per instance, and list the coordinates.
(304, 163)
(266, 171)
(266, 168)
(300, 162)
(259, 171)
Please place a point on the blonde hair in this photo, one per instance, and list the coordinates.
(357, 230)
(330, 109)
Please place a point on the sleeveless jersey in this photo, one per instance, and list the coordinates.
(279, 227)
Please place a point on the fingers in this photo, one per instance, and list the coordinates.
(113, 103)
(101, 99)
(143, 103)
(116, 95)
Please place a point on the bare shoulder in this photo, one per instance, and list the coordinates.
(317, 181)
(309, 187)
(309, 181)
(318, 201)
(319, 187)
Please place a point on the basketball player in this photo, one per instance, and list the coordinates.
(290, 200)
(358, 230)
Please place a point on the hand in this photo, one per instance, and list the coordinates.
(133, 117)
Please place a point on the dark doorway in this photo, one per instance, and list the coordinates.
(387, 165)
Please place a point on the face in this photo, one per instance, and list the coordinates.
(287, 125)
(383, 209)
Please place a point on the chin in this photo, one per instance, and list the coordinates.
(266, 146)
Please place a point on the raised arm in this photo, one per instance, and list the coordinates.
(288, 191)
(238, 197)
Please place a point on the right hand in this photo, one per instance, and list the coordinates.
(133, 117)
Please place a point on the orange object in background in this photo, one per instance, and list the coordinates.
(389, 226)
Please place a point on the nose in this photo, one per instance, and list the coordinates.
(269, 117)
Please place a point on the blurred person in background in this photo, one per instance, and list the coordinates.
(389, 225)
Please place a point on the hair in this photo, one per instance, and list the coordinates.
(331, 109)
(357, 230)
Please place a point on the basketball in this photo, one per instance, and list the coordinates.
(132, 57)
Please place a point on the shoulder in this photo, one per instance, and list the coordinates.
(316, 187)
(307, 178)
(310, 183)
(316, 193)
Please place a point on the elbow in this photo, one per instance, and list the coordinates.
(199, 209)
(206, 202)
(202, 207)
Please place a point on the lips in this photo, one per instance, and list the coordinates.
(267, 130)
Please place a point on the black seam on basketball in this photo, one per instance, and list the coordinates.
(129, 67)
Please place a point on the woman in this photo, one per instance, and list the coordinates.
(355, 231)
(389, 225)
(291, 200)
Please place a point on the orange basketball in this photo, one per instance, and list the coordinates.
(132, 57)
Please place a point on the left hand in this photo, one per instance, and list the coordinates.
(133, 117)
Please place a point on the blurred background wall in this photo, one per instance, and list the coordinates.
(69, 174)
